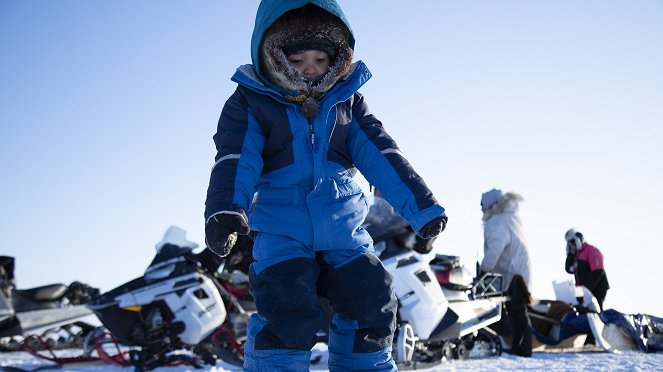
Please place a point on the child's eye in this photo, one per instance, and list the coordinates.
(295, 61)
(321, 60)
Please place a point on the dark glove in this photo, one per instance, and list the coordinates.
(570, 264)
(434, 227)
(422, 245)
(221, 232)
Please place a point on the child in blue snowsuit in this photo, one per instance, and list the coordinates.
(289, 141)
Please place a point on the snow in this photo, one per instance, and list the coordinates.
(540, 361)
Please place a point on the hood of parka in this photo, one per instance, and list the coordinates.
(304, 20)
(507, 203)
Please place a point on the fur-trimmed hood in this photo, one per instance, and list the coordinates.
(507, 203)
(282, 22)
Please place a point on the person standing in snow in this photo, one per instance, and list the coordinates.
(586, 262)
(504, 249)
(289, 141)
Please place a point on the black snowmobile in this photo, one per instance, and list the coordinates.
(50, 316)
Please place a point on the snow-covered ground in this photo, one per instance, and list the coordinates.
(540, 361)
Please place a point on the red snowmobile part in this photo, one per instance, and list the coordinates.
(119, 359)
(49, 354)
(226, 331)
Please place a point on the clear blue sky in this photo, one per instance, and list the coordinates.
(107, 111)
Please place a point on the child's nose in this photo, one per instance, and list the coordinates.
(309, 69)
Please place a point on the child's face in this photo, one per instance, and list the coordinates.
(311, 64)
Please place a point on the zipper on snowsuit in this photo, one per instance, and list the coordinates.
(310, 128)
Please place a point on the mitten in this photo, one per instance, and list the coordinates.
(221, 232)
(434, 227)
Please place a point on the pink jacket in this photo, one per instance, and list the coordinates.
(591, 255)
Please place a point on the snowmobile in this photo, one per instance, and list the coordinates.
(434, 322)
(441, 316)
(54, 313)
(177, 312)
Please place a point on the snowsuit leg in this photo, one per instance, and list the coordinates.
(283, 283)
(285, 289)
(360, 292)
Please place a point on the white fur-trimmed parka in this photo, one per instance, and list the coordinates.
(505, 250)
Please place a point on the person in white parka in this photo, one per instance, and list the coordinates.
(504, 247)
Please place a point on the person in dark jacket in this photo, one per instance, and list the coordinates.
(289, 142)
(586, 262)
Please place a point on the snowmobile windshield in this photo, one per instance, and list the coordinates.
(383, 221)
(170, 261)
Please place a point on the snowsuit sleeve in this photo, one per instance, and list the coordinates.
(238, 163)
(378, 158)
(496, 238)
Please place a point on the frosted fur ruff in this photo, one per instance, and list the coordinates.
(508, 202)
(305, 23)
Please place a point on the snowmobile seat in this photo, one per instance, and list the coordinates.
(443, 261)
(49, 292)
(457, 279)
(38, 298)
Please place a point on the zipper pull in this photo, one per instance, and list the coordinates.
(310, 129)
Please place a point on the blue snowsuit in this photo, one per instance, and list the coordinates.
(293, 178)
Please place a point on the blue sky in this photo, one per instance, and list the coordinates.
(108, 110)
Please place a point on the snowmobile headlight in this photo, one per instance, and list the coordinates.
(159, 273)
